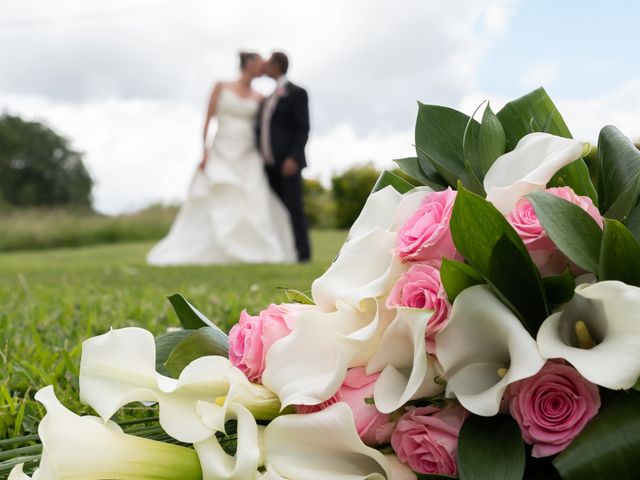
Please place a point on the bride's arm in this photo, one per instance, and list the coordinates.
(211, 111)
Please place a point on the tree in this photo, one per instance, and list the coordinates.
(39, 167)
(351, 190)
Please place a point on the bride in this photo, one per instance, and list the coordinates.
(231, 215)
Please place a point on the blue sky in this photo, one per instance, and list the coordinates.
(587, 47)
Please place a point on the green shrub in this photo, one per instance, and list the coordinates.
(319, 205)
(350, 191)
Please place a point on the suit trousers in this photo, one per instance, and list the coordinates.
(289, 189)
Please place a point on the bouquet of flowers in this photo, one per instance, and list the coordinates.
(482, 321)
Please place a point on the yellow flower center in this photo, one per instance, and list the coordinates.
(502, 372)
(585, 340)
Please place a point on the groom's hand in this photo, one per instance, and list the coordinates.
(289, 167)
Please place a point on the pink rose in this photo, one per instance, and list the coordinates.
(420, 287)
(426, 235)
(252, 337)
(552, 407)
(426, 439)
(523, 218)
(372, 426)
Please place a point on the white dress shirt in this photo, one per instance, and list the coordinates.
(265, 121)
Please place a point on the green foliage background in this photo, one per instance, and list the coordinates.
(39, 167)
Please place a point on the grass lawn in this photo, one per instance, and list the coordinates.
(50, 301)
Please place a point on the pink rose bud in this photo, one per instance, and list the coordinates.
(552, 407)
(420, 287)
(426, 439)
(356, 391)
(426, 234)
(252, 337)
(523, 218)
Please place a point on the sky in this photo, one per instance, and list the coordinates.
(127, 81)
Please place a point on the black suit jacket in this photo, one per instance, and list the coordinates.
(289, 127)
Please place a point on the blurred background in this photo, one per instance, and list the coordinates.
(119, 89)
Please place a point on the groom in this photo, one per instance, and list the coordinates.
(283, 130)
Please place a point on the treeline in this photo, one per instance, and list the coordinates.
(339, 205)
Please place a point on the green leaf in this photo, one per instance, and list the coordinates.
(618, 173)
(296, 296)
(486, 240)
(189, 316)
(492, 140)
(609, 446)
(633, 222)
(430, 177)
(572, 230)
(619, 254)
(199, 343)
(637, 385)
(439, 141)
(164, 345)
(457, 276)
(471, 145)
(531, 112)
(388, 178)
(536, 112)
(490, 448)
(559, 288)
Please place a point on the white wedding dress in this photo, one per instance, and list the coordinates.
(231, 214)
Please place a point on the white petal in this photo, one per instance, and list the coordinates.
(481, 336)
(308, 366)
(529, 167)
(610, 310)
(377, 212)
(408, 206)
(365, 265)
(17, 473)
(217, 464)
(361, 271)
(269, 474)
(84, 447)
(119, 368)
(399, 471)
(407, 371)
(320, 446)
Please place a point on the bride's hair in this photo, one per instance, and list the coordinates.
(246, 57)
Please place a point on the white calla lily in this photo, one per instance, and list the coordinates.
(308, 366)
(119, 368)
(399, 470)
(378, 212)
(361, 271)
(81, 448)
(609, 311)
(529, 167)
(17, 473)
(219, 465)
(321, 445)
(482, 349)
(365, 266)
(407, 372)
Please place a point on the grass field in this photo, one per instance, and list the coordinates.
(50, 301)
